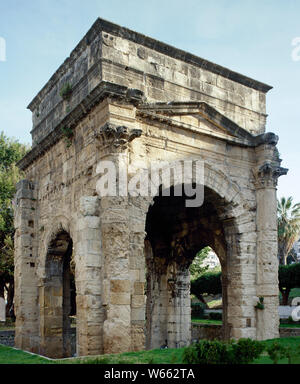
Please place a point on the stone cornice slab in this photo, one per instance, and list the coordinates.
(102, 25)
(105, 89)
(160, 111)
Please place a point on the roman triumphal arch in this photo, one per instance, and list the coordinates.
(127, 100)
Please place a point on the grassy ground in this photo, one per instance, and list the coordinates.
(206, 321)
(292, 342)
(219, 322)
(157, 356)
(167, 356)
(290, 325)
(11, 356)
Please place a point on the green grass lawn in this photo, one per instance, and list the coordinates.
(156, 356)
(206, 321)
(167, 356)
(290, 325)
(219, 322)
(292, 342)
(12, 356)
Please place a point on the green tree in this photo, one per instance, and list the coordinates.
(289, 278)
(292, 257)
(196, 268)
(11, 151)
(288, 219)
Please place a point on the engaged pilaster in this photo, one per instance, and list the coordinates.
(123, 287)
(89, 277)
(26, 290)
(266, 177)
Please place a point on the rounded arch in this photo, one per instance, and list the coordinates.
(238, 206)
(57, 290)
(168, 260)
(57, 224)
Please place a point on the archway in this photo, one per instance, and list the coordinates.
(58, 298)
(175, 233)
(206, 287)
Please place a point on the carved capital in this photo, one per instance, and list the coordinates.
(266, 175)
(116, 137)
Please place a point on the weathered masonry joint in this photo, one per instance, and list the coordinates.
(121, 263)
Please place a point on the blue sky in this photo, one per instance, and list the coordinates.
(250, 36)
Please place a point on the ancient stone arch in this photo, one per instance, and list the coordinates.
(54, 297)
(131, 102)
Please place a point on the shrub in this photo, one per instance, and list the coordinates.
(246, 350)
(260, 303)
(68, 135)
(190, 355)
(215, 315)
(211, 352)
(277, 352)
(66, 91)
(243, 351)
(198, 310)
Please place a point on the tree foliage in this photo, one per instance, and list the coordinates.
(289, 278)
(288, 219)
(11, 151)
(196, 267)
(208, 282)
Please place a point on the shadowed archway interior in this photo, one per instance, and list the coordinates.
(175, 233)
(60, 298)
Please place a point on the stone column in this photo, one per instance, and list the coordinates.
(168, 297)
(179, 306)
(51, 309)
(137, 270)
(266, 175)
(25, 259)
(89, 278)
(157, 297)
(238, 279)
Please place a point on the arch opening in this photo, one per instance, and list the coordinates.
(174, 235)
(59, 309)
(205, 263)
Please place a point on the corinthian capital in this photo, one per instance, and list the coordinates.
(267, 175)
(116, 137)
